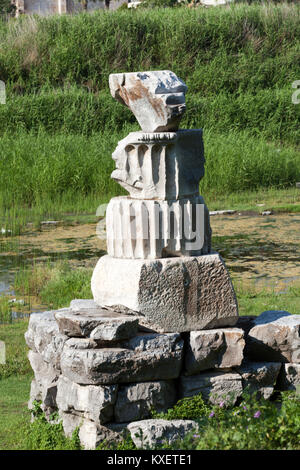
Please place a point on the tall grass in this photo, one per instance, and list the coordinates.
(235, 49)
(60, 125)
(41, 168)
(268, 113)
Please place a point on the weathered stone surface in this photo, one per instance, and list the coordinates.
(274, 337)
(289, 377)
(94, 402)
(143, 358)
(151, 229)
(209, 349)
(215, 387)
(171, 294)
(150, 433)
(135, 401)
(102, 326)
(259, 377)
(44, 387)
(90, 433)
(84, 306)
(43, 336)
(156, 98)
(164, 166)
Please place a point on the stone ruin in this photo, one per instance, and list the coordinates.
(163, 324)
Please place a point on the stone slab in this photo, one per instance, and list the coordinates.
(259, 377)
(151, 433)
(209, 349)
(135, 401)
(43, 336)
(94, 402)
(146, 357)
(275, 337)
(215, 387)
(170, 294)
(102, 326)
(90, 433)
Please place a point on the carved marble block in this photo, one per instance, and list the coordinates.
(150, 229)
(166, 165)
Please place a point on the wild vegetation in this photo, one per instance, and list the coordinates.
(60, 123)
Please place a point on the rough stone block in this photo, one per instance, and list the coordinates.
(101, 326)
(259, 377)
(143, 358)
(151, 433)
(215, 387)
(94, 402)
(210, 349)
(44, 387)
(90, 433)
(171, 294)
(156, 98)
(289, 377)
(135, 401)
(43, 336)
(275, 337)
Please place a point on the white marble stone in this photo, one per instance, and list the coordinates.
(156, 98)
(147, 229)
(170, 294)
(166, 165)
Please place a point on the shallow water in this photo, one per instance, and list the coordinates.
(260, 250)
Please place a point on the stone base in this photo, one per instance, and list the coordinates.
(170, 294)
(107, 388)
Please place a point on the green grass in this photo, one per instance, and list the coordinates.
(54, 285)
(73, 171)
(14, 416)
(237, 49)
(254, 301)
(60, 125)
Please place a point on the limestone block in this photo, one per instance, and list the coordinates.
(94, 402)
(43, 336)
(215, 387)
(274, 337)
(90, 433)
(289, 377)
(151, 433)
(143, 358)
(209, 349)
(170, 294)
(135, 401)
(259, 377)
(84, 306)
(165, 166)
(148, 229)
(156, 98)
(44, 387)
(102, 326)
